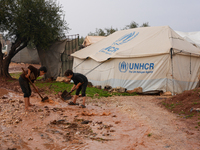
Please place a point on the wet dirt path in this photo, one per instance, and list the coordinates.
(115, 123)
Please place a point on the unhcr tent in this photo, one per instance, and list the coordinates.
(154, 58)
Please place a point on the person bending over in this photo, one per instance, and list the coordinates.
(80, 84)
(32, 73)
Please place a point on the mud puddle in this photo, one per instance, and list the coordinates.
(56, 125)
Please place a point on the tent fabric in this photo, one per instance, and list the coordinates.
(154, 58)
(192, 37)
(138, 42)
(89, 40)
(26, 55)
(51, 58)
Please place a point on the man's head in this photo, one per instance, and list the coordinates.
(69, 74)
(42, 70)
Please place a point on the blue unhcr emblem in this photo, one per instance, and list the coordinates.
(123, 67)
(124, 39)
(136, 67)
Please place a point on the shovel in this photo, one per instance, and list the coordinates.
(43, 99)
(67, 95)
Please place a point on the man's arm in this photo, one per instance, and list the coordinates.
(73, 87)
(28, 74)
(79, 84)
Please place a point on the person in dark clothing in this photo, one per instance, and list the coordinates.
(32, 73)
(80, 84)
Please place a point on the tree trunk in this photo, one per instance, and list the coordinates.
(1, 60)
(5, 62)
(5, 67)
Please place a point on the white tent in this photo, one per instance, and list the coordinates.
(91, 40)
(154, 58)
(192, 37)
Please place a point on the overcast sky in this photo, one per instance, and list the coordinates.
(84, 16)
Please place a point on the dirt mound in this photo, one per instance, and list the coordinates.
(11, 84)
(186, 105)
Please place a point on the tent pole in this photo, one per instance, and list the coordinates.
(171, 52)
(190, 64)
(80, 63)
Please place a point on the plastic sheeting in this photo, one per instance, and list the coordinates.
(51, 59)
(26, 55)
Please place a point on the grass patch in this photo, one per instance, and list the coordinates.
(15, 75)
(55, 87)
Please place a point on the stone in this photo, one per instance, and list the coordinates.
(98, 86)
(167, 93)
(107, 87)
(122, 90)
(136, 90)
(90, 84)
(62, 79)
(4, 97)
(96, 94)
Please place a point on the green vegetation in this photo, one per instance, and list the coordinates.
(195, 103)
(15, 75)
(182, 112)
(150, 134)
(108, 31)
(188, 116)
(38, 23)
(56, 87)
(169, 106)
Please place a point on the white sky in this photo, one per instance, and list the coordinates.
(84, 16)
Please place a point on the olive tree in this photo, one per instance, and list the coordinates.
(40, 22)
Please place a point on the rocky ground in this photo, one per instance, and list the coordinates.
(113, 123)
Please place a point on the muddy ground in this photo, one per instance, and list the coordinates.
(113, 123)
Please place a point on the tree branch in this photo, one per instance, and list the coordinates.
(20, 48)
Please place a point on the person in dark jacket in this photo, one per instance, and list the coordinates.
(32, 73)
(80, 84)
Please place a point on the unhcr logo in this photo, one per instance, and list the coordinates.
(123, 67)
(114, 47)
(136, 67)
(126, 38)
